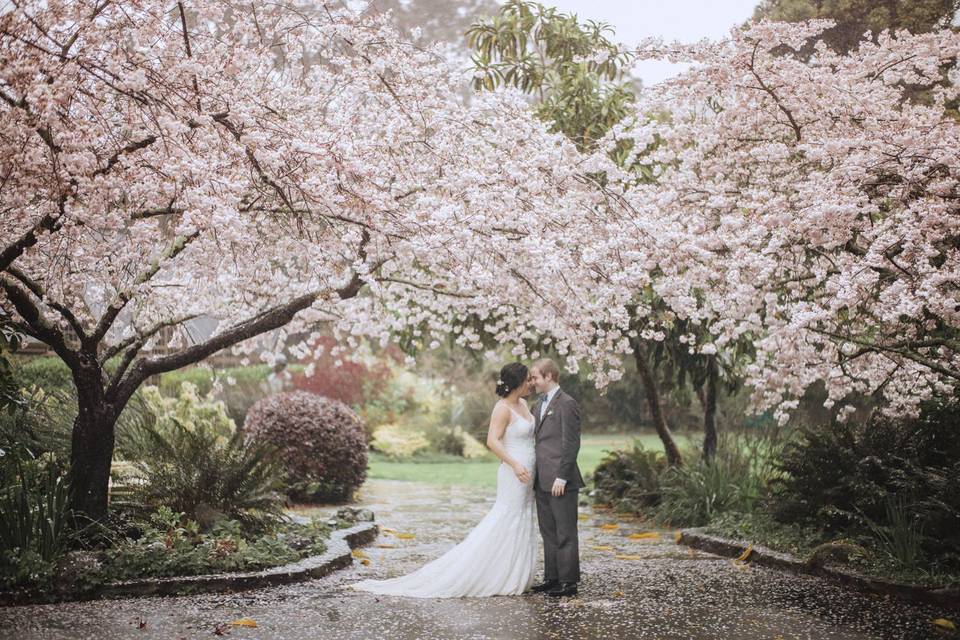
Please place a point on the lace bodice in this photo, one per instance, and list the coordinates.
(519, 432)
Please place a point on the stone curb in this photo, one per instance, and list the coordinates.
(337, 556)
(764, 556)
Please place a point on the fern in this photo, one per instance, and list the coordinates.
(204, 468)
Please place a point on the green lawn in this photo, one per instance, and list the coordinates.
(450, 470)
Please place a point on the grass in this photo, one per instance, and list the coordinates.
(451, 470)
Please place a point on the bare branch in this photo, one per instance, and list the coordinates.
(37, 291)
(141, 337)
(16, 248)
(121, 389)
(42, 329)
(772, 94)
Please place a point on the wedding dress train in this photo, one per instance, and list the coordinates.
(499, 555)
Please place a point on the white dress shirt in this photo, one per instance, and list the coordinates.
(547, 397)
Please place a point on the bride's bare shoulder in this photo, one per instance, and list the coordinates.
(499, 407)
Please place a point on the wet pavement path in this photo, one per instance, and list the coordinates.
(646, 588)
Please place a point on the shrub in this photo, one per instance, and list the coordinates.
(404, 394)
(192, 459)
(737, 479)
(40, 423)
(24, 568)
(33, 506)
(348, 381)
(902, 538)
(473, 448)
(190, 409)
(630, 480)
(399, 441)
(447, 440)
(323, 443)
(842, 476)
(34, 517)
(43, 421)
(47, 372)
(695, 494)
(238, 387)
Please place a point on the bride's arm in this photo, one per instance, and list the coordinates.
(499, 420)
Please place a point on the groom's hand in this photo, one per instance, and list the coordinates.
(558, 486)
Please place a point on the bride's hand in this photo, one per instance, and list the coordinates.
(522, 474)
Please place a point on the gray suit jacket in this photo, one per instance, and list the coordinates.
(557, 442)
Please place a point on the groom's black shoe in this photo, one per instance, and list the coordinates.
(546, 585)
(563, 589)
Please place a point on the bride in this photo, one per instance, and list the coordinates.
(499, 555)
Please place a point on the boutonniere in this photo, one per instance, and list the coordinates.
(549, 413)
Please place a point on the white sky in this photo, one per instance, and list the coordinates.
(684, 20)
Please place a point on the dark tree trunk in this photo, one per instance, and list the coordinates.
(709, 400)
(91, 450)
(656, 410)
(90, 455)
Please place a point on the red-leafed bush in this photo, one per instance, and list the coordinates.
(346, 381)
(323, 443)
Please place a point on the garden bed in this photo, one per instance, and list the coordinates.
(336, 554)
(704, 540)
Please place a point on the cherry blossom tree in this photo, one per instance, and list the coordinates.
(798, 213)
(808, 203)
(271, 167)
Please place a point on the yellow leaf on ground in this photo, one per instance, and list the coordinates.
(388, 530)
(602, 547)
(358, 553)
(406, 536)
(677, 536)
(583, 516)
(742, 566)
(244, 622)
(626, 556)
(746, 553)
(364, 560)
(645, 535)
(618, 594)
(610, 526)
(943, 623)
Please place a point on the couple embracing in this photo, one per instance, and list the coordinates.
(538, 485)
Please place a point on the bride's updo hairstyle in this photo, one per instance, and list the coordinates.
(511, 376)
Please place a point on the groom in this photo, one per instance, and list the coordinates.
(556, 480)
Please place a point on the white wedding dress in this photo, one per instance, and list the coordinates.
(499, 555)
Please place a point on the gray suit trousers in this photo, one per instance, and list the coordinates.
(558, 526)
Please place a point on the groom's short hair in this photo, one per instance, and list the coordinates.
(548, 368)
